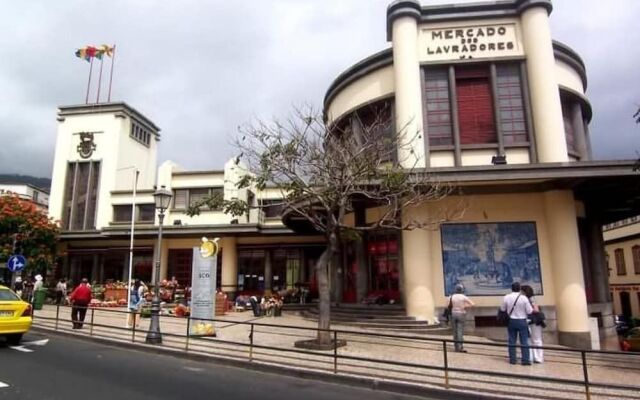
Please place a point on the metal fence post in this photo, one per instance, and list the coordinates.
(57, 316)
(335, 352)
(186, 347)
(586, 374)
(446, 364)
(133, 327)
(251, 344)
(93, 311)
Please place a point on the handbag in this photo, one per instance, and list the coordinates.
(503, 317)
(446, 314)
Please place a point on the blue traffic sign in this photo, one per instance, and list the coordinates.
(16, 263)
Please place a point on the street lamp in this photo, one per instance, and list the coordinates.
(162, 197)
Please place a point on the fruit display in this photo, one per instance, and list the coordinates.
(111, 303)
(202, 328)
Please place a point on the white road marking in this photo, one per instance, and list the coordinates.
(3, 385)
(36, 343)
(24, 349)
(21, 348)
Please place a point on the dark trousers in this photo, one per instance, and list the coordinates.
(78, 311)
(59, 297)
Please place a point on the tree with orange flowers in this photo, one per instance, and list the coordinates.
(26, 230)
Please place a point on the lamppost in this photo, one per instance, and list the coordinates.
(162, 198)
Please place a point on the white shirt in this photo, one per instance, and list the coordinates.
(522, 306)
(459, 302)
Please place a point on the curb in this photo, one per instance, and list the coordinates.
(363, 382)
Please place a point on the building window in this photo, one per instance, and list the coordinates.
(251, 270)
(285, 269)
(191, 196)
(179, 265)
(373, 123)
(144, 213)
(636, 259)
(620, 265)
(272, 208)
(140, 134)
(81, 193)
(477, 104)
(438, 107)
(372, 126)
(510, 104)
(569, 129)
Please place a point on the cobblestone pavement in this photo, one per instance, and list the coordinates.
(423, 355)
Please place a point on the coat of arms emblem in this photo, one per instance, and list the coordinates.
(86, 146)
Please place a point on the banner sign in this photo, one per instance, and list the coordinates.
(203, 288)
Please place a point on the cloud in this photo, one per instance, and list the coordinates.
(200, 69)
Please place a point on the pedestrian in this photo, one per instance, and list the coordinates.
(173, 285)
(80, 299)
(135, 301)
(536, 323)
(517, 307)
(61, 290)
(18, 286)
(459, 304)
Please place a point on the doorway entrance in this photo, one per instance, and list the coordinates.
(384, 266)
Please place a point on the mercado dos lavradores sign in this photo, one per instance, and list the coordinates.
(469, 42)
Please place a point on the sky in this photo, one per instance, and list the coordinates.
(199, 69)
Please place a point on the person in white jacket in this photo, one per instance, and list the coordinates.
(535, 327)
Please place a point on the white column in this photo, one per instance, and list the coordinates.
(229, 272)
(408, 95)
(543, 86)
(164, 261)
(416, 273)
(566, 269)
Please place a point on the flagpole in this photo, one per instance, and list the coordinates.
(99, 80)
(133, 218)
(86, 100)
(113, 59)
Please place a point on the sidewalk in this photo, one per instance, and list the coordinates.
(233, 342)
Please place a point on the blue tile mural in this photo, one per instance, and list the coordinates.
(488, 257)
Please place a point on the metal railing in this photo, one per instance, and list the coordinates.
(344, 363)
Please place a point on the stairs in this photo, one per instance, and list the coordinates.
(390, 317)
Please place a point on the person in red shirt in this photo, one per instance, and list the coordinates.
(80, 299)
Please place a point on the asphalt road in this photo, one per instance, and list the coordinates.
(67, 369)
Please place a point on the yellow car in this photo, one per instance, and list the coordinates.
(15, 316)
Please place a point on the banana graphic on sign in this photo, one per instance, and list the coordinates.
(209, 248)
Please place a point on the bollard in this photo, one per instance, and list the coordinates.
(133, 328)
(186, 347)
(57, 316)
(251, 344)
(446, 364)
(335, 352)
(586, 375)
(93, 311)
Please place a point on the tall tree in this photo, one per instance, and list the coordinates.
(26, 230)
(326, 171)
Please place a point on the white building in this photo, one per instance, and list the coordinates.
(27, 192)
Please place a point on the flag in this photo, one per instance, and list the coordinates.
(107, 50)
(82, 53)
(89, 52)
